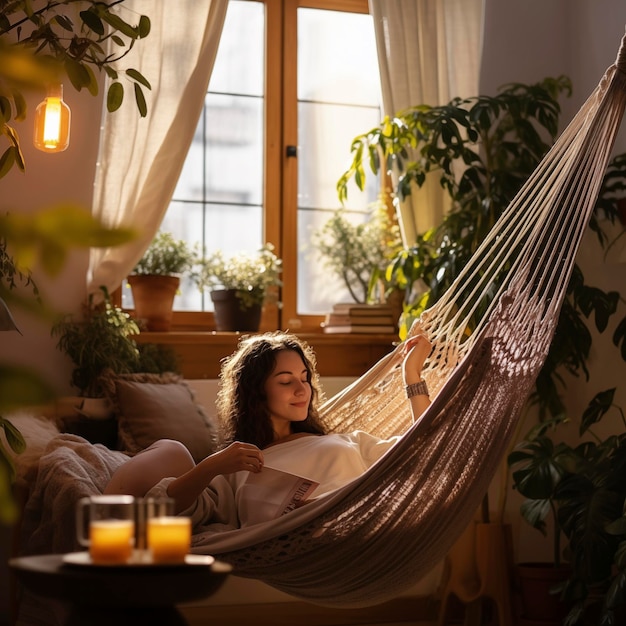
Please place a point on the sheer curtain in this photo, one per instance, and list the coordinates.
(140, 159)
(429, 52)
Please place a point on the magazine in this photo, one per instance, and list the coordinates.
(284, 490)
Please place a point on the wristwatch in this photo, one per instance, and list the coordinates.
(417, 389)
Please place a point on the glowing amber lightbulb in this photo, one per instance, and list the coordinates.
(52, 122)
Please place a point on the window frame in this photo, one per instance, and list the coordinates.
(280, 194)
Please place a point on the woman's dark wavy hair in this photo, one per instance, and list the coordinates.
(241, 399)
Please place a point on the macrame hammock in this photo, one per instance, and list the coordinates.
(384, 531)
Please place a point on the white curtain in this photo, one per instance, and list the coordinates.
(429, 52)
(140, 159)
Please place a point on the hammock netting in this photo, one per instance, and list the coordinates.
(383, 532)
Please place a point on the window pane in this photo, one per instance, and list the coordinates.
(337, 59)
(220, 188)
(238, 67)
(338, 98)
(328, 288)
(234, 149)
(325, 132)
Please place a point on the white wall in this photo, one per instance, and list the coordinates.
(528, 41)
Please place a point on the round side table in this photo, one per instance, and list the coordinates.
(124, 595)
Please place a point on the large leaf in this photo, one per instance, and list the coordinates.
(6, 319)
(596, 409)
(587, 506)
(619, 337)
(139, 77)
(13, 436)
(92, 21)
(540, 468)
(115, 96)
(141, 100)
(46, 237)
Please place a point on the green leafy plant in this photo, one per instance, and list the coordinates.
(166, 256)
(359, 253)
(253, 277)
(43, 238)
(102, 342)
(43, 44)
(582, 489)
(32, 58)
(482, 150)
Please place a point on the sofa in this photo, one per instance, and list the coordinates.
(78, 433)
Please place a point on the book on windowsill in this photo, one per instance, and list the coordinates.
(339, 319)
(284, 490)
(356, 309)
(369, 329)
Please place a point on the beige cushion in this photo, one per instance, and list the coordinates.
(152, 406)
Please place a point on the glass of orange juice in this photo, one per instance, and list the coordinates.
(106, 524)
(168, 538)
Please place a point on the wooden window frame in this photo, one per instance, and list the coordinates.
(280, 215)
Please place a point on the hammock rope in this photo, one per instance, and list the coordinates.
(383, 532)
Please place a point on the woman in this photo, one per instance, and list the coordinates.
(268, 402)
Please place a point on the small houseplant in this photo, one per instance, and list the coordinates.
(359, 253)
(155, 279)
(102, 341)
(240, 285)
(582, 488)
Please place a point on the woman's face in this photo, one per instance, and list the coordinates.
(288, 392)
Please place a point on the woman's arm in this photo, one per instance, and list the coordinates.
(416, 351)
(235, 458)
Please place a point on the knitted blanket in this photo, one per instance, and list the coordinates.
(70, 468)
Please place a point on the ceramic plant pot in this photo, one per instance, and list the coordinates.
(229, 316)
(154, 299)
(538, 605)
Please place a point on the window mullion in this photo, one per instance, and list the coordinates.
(290, 168)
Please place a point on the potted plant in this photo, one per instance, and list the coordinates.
(360, 253)
(482, 150)
(102, 341)
(240, 285)
(155, 280)
(582, 489)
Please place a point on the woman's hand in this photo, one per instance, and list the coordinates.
(416, 351)
(238, 457)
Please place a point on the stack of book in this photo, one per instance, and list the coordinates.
(350, 317)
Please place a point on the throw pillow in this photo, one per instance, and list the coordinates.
(150, 407)
(90, 418)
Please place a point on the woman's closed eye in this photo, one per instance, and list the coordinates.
(290, 382)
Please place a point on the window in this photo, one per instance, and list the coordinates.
(293, 83)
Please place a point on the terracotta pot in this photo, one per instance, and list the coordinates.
(229, 316)
(154, 299)
(538, 605)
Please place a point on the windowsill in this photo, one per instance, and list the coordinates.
(200, 352)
